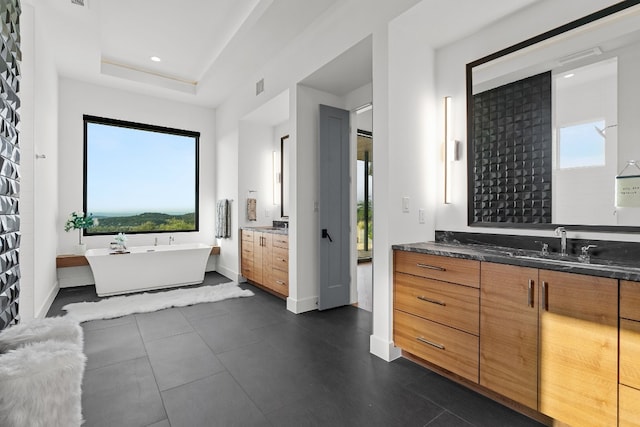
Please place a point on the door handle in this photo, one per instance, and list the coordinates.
(325, 235)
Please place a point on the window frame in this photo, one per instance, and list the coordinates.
(90, 119)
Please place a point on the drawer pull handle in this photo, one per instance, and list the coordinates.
(432, 344)
(279, 282)
(544, 296)
(530, 294)
(432, 301)
(431, 267)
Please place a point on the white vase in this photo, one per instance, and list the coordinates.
(81, 249)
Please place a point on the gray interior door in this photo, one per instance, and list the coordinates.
(334, 208)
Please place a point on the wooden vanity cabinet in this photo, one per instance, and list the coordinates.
(436, 303)
(265, 260)
(629, 354)
(548, 340)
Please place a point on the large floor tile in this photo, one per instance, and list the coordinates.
(447, 419)
(112, 345)
(224, 333)
(270, 380)
(93, 325)
(162, 324)
(200, 311)
(181, 359)
(122, 394)
(468, 405)
(213, 401)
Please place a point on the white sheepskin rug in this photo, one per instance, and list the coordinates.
(41, 378)
(143, 303)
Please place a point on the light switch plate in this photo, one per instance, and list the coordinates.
(405, 204)
(421, 216)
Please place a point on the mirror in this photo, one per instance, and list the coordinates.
(552, 121)
(284, 176)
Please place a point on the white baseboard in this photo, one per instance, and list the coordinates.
(384, 349)
(46, 305)
(227, 272)
(303, 305)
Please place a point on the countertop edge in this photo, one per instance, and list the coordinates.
(501, 255)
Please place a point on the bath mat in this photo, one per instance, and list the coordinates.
(109, 308)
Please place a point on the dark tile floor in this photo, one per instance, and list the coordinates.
(250, 362)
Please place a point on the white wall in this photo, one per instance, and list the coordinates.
(39, 193)
(450, 77)
(78, 98)
(333, 33)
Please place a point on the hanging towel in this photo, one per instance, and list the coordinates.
(223, 219)
(251, 209)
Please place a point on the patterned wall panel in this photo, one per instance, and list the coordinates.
(10, 57)
(512, 152)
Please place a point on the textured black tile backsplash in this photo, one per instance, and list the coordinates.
(10, 56)
(512, 152)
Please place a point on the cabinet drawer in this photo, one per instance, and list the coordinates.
(452, 305)
(449, 348)
(281, 241)
(630, 300)
(630, 353)
(247, 235)
(629, 407)
(280, 258)
(280, 282)
(454, 270)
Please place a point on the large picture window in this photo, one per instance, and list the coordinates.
(139, 178)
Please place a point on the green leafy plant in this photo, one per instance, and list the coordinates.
(78, 221)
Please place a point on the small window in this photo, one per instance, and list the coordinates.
(581, 145)
(140, 178)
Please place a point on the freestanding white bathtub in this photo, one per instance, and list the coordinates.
(148, 267)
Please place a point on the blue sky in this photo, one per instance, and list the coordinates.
(135, 171)
(581, 145)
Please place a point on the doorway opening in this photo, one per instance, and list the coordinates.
(364, 194)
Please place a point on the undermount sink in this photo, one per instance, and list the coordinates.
(568, 261)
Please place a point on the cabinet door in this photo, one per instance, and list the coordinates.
(258, 238)
(578, 348)
(509, 332)
(267, 239)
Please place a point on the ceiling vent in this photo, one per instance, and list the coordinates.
(580, 55)
(78, 2)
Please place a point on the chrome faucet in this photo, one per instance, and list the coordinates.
(586, 256)
(171, 239)
(155, 242)
(560, 231)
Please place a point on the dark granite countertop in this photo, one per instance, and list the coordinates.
(268, 229)
(526, 258)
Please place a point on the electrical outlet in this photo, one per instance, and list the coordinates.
(405, 204)
(267, 213)
(421, 216)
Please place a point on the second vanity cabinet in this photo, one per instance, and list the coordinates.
(545, 339)
(265, 260)
(548, 340)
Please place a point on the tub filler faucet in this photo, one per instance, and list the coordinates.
(155, 242)
(562, 233)
(171, 239)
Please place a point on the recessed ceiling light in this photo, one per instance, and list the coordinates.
(155, 59)
(568, 76)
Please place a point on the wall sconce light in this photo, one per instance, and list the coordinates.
(277, 178)
(450, 148)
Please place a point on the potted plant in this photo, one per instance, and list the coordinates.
(78, 221)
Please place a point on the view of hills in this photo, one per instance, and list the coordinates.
(148, 221)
